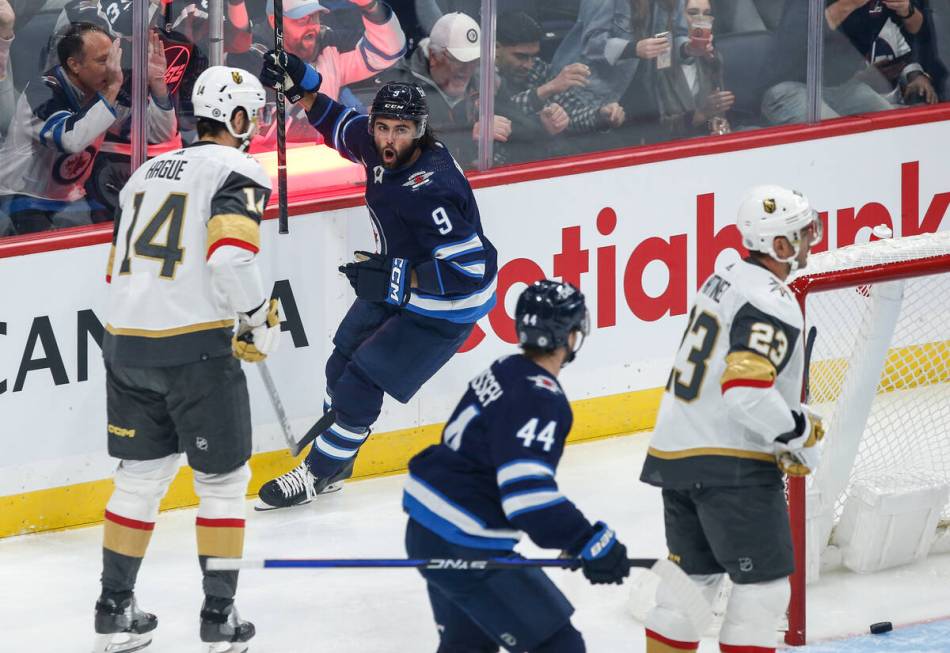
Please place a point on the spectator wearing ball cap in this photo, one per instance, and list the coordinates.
(445, 66)
(553, 101)
(382, 44)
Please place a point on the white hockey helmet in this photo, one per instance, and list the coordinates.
(769, 211)
(220, 90)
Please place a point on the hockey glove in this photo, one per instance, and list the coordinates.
(258, 333)
(379, 278)
(603, 558)
(291, 74)
(797, 452)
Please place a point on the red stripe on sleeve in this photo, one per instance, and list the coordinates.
(130, 523)
(746, 383)
(233, 242)
(219, 523)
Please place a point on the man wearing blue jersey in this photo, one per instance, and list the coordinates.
(418, 299)
(492, 477)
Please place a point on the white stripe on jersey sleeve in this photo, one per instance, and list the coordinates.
(518, 470)
(516, 504)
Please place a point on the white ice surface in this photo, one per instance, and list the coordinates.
(49, 582)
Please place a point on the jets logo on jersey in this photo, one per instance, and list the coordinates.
(418, 180)
(546, 382)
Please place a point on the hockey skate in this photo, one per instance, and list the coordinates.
(121, 627)
(222, 628)
(299, 486)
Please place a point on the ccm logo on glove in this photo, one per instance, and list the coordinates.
(397, 282)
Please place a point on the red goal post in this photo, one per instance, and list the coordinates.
(879, 370)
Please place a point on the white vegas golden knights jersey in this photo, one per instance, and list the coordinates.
(183, 256)
(735, 380)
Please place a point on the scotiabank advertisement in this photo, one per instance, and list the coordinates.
(636, 240)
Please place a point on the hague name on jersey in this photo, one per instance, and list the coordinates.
(178, 210)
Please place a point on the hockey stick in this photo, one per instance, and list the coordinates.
(691, 598)
(278, 405)
(295, 446)
(281, 124)
(322, 425)
(446, 564)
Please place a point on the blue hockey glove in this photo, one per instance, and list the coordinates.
(603, 558)
(379, 278)
(291, 74)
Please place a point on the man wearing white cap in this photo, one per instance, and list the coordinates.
(383, 43)
(444, 65)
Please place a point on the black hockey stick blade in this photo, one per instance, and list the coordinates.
(281, 117)
(322, 425)
(809, 345)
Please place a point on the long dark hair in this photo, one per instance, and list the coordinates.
(428, 139)
(640, 12)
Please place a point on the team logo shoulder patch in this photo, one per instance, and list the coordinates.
(418, 179)
(545, 382)
(779, 288)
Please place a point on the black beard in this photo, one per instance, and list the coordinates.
(401, 159)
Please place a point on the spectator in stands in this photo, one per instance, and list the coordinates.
(7, 92)
(444, 65)
(61, 121)
(183, 29)
(894, 71)
(851, 29)
(623, 39)
(541, 101)
(381, 46)
(691, 96)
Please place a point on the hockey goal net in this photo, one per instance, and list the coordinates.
(879, 374)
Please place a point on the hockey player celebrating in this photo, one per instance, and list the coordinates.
(493, 476)
(172, 383)
(731, 422)
(419, 298)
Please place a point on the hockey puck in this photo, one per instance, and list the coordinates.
(881, 627)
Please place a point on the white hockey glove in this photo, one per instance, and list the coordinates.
(797, 452)
(258, 333)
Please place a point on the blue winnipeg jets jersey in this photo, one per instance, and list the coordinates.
(493, 474)
(425, 213)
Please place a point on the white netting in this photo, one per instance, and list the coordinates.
(879, 252)
(905, 394)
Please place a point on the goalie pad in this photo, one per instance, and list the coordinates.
(754, 613)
